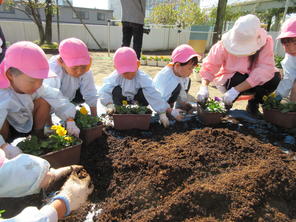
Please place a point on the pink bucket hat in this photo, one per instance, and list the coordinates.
(288, 29)
(74, 52)
(125, 60)
(183, 53)
(27, 57)
(245, 37)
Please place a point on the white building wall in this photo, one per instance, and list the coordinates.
(158, 39)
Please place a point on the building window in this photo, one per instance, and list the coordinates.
(7, 9)
(101, 16)
(82, 15)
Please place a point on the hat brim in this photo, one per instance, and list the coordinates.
(125, 69)
(287, 35)
(76, 62)
(4, 82)
(186, 59)
(239, 49)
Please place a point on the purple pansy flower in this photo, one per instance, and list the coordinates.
(218, 99)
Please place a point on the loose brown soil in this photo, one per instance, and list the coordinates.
(187, 173)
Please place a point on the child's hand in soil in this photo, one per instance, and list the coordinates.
(54, 175)
(76, 190)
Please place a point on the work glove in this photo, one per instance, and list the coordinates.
(203, 94)
(164, 120)
(11, 151)
(110, 109)
(72, 128)
(53, 175)
(230, 96)
(75, 192)
(177, 114)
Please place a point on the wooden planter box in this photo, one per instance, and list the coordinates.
(285, 120)
(143, 62)
(162, 63)
(209, 118)
(131, 121)
(151, 63)
(88, 135)
(64, 157)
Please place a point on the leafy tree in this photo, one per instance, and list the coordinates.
(32, 9)
(164, 13)
(189, 13)
(184, 13)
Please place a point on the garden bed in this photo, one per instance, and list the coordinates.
(188, 173)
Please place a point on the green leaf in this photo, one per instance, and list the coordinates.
(2, 212)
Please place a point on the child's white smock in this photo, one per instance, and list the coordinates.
(68, 85)
(32, 214)
(17, 108)
(130, 89)
(166, 82)
(289, 67)
(22, 175)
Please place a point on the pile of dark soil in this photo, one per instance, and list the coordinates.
(188, 174)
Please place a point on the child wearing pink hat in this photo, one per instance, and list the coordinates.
(24, 101)
(242, 62)
(173, 81)
(74, 77)
(288, 39)
(128, 83)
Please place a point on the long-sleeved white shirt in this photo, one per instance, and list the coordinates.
(17, 108)
(166, 82)
(22, 176)
(131, 87)
(289, 67)
(32, 214)
(68, 85)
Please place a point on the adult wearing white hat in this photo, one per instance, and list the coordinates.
(242, 62)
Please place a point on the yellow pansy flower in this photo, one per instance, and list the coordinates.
(124, 102)
(54, 127)
(61, 132)
(83, 110)
(68, 138)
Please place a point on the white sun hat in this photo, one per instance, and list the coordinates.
(245, 37)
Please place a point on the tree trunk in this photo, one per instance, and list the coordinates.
(277, 21)
(221, 10)
(37, 19)
(48, 21)
(269, 24)
(41, 33)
